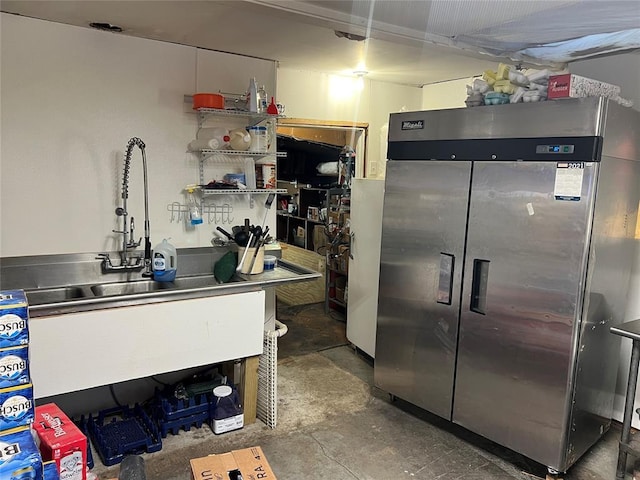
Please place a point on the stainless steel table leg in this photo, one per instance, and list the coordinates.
(628, 409)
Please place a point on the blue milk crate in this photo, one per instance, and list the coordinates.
(120, 431)
(173, 414)
(83, 425)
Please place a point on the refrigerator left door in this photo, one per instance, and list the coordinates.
(423, 234)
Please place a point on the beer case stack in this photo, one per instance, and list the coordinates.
(19, 454)
(35, 443)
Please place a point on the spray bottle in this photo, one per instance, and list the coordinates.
(195, 215)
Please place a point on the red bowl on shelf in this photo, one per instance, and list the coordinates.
(208, 100)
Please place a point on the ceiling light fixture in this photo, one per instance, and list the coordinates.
(107, 27)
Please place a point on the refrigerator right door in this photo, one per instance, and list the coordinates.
(525, 265)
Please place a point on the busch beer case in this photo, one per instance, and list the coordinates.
(14, 317)
(19, 455)
(14, 366)
(16, 406)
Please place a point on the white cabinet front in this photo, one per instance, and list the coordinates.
(83, 350)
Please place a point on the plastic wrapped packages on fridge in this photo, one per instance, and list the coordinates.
(518, 78)
(480, 85)
(531, 96)
(503, 71)
(496, 98)
(538, 76)
(517, 95)
(474, 100)
(504, 86)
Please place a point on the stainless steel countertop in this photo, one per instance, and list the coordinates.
(285, 272)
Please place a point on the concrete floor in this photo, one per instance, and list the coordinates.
(333, 424)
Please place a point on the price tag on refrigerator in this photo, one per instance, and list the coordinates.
(568, 184)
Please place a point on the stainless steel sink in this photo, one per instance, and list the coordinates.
(43, 296)
(147, 286)
(55, 295)
(129, 288)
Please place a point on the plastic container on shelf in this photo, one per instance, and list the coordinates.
(216, 137)
(259, 138)
(253, 95)
(239, 139)
(236, 178)
(270, 262)
(262, 100)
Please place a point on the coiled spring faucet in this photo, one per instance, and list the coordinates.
(136, 262)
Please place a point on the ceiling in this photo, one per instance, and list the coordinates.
(409, 42)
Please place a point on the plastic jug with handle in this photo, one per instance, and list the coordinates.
(165, 262)
(239, 139)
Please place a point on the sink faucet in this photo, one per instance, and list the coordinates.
(128, 262)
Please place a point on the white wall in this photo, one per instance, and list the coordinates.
(71, 99)
(320, 96)
(622, 70)
(442, 95)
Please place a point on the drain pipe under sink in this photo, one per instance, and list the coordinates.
(281, 328)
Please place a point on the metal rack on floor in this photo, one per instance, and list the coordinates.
(628, 446)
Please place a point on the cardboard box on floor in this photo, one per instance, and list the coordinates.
(250, 462)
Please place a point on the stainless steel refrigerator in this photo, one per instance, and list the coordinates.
(507, 248)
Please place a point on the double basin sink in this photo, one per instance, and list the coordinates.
(86, 291)
(42, 296)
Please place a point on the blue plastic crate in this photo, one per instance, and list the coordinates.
(184, 423)
(81, 423)
(169, 408)
(117, 432)
(173, 414)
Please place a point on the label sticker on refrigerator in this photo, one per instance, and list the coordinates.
(568, 185)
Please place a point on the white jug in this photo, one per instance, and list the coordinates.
(239, 139)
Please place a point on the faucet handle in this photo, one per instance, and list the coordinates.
(134, 244)
(106, 260)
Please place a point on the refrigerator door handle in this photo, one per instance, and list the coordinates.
(445, 280)
(478, 302)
